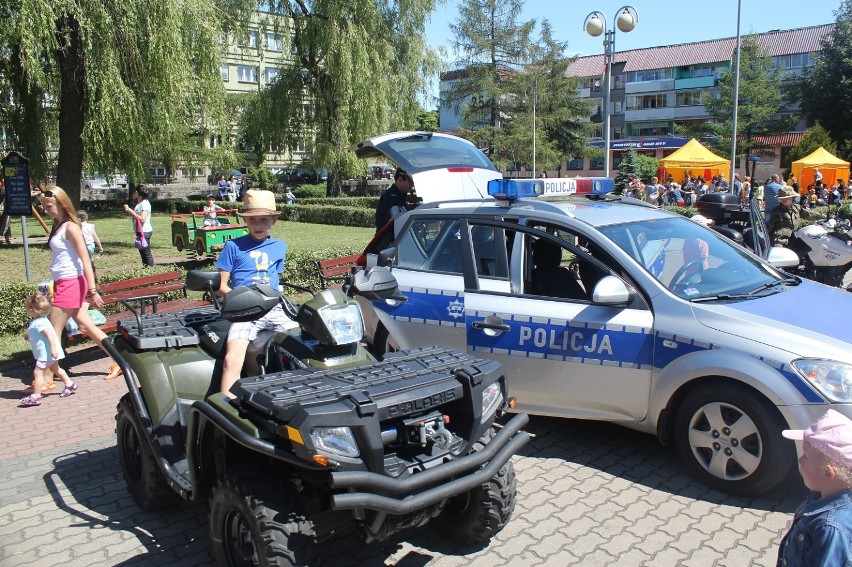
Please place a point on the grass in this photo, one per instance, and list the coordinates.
(116, 233)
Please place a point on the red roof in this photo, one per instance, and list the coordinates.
(778, 42)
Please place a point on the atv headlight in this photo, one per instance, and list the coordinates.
(833, 379)
(492, 397)
(344, 323)
(336, 440)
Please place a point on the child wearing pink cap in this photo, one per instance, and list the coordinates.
(821, 533)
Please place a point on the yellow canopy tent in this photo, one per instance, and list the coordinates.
(831, 167)
(695, 159)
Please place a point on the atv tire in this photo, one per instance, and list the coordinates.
(145, 481)
(255, 520)
(479, 514)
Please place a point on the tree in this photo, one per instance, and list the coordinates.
(824, 91)
(494, 46)
(129, 79)
(359, 66)
(514, 85)
(815, 137)
(761, 110)
(626, 169)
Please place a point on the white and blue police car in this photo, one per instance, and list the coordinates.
(612, 309)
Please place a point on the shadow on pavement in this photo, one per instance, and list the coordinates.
(640, 458)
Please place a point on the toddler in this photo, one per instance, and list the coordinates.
(821, 533)
(90, 235)
(47, 350)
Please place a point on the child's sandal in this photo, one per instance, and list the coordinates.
(31, 400)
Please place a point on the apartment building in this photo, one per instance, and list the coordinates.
(655, 88)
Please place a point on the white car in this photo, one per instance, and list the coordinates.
(443, 167)
(626, 313)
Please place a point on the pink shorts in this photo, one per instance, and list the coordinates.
(70, 293)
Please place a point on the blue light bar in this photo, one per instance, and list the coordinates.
(513, 189)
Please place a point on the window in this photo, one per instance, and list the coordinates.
(649, 75)
(224, 70)
(431, 244)
(618, 82)
(644, 102)
(270, 74)
(274, 41)
(248, 40)
(618, 107)
(689, 98)
(247, 73)
(596, 163)
(649, 128)
(576, 164)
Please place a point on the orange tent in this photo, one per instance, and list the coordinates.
(831, 167)
(695, 159)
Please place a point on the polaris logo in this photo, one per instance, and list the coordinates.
(421, 404)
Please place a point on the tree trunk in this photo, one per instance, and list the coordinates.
(72, 106)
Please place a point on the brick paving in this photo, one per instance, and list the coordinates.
(589, 494)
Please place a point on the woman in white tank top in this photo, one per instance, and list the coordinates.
(74, 286)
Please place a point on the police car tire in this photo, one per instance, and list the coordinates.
(777, 458)
(479, 514)
(382, 343)
(281, 532)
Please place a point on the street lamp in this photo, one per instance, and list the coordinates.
(626, 19)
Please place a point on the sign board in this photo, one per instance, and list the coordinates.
(764, 166)
(753, 158)
(16, 174)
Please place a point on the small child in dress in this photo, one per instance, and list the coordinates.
(47, 350)
(821, 533)
(90, 235)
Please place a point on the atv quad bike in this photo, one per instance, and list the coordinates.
(342, 444)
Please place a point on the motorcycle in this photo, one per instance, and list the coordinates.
(825, 250)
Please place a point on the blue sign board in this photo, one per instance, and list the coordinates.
(753, 158)
(16, 175)
(643, 144)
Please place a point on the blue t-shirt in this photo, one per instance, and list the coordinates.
(39, 342)
(252, 262)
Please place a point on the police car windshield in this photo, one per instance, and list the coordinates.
(690, 260)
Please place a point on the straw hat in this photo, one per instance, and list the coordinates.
(259, 203)
(787, 192)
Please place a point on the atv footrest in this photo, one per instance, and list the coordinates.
(166, 330)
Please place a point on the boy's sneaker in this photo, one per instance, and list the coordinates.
(31, 400)
(68, 390)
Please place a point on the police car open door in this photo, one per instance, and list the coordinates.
(564, 354)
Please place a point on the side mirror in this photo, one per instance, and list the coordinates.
(780, 257)
(376, 284)
(610, 290)
(203, 280)
(387, 257)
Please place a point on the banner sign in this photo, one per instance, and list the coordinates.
(16, 175)
(624, 145)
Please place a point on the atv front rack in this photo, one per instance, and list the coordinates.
(166, 330)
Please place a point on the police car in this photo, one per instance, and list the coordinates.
(615, 310)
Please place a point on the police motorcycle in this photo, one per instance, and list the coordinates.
(825, 250)
(325, 441)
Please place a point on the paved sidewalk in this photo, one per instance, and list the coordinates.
(589, 494)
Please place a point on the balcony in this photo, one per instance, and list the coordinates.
(649, 114)
(695, 83)
(649, 86)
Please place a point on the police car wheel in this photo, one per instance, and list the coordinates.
(382, 343)
(729, 438)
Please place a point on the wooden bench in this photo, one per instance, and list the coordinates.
(335, 269)
(142, 293)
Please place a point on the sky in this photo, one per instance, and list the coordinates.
(661, 22)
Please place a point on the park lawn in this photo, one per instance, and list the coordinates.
(116, 234)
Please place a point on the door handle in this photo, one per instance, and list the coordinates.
(491, 326)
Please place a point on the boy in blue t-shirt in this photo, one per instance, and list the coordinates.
(256, 258)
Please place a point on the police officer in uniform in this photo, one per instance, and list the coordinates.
(395, 199)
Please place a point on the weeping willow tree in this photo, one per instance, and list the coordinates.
(355, 70)
(124, 81)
